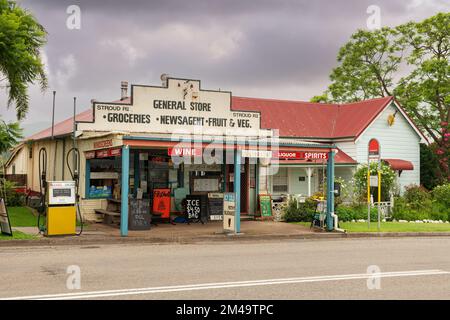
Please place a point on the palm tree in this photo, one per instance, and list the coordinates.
(21, 38)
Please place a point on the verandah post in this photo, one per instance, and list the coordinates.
(330, 191)
(124, 191)
(237, 189)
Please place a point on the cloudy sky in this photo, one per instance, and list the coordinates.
(260, 48)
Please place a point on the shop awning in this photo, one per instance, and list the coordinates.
(399, 164)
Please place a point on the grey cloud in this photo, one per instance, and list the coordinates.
(279, 49)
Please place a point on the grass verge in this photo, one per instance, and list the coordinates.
(17, 235)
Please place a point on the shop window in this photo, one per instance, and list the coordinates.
(280, 181)
(104, 178)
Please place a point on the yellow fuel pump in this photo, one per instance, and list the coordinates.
(61, 208)
(59, 201)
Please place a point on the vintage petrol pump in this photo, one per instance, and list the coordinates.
(60, 208)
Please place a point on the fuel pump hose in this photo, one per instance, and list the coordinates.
(42, 185)
(75, 177)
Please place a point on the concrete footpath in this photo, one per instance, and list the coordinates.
(97, 233)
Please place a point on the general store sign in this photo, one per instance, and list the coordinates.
(181, 107)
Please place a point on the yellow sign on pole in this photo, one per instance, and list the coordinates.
(379, 186)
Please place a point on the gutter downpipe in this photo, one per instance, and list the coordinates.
(332, 221)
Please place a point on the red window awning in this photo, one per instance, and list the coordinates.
(399, 164)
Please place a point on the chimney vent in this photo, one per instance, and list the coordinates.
(123, 90)
(164, 78)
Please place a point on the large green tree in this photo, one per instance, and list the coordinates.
(21, 38)
(372, 63)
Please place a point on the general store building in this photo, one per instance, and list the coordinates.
(158, 136)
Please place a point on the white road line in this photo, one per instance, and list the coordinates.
(223, 285)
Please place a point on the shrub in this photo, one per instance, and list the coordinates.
(442, 194)
(417, 198)
(439, 213)
(355, 212)
(387, 179)
(296, 211)
(407, 208)
(13, 198)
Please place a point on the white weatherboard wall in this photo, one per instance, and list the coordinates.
(349, 147)
(399, 141)
(19, 162)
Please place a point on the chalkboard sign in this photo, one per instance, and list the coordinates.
(215, 206)
(265, 205)
(5, 224)
(196, 208)
(139, 216)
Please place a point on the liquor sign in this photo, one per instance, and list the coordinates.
(161, 202)
(286, 155)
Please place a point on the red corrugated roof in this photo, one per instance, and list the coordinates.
(313, 120)
(63, 127)
(292, 118)
(66, 127)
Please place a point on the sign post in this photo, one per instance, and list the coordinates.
(379, 195)
(374, 155)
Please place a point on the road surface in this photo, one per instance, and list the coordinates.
(409, 268)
